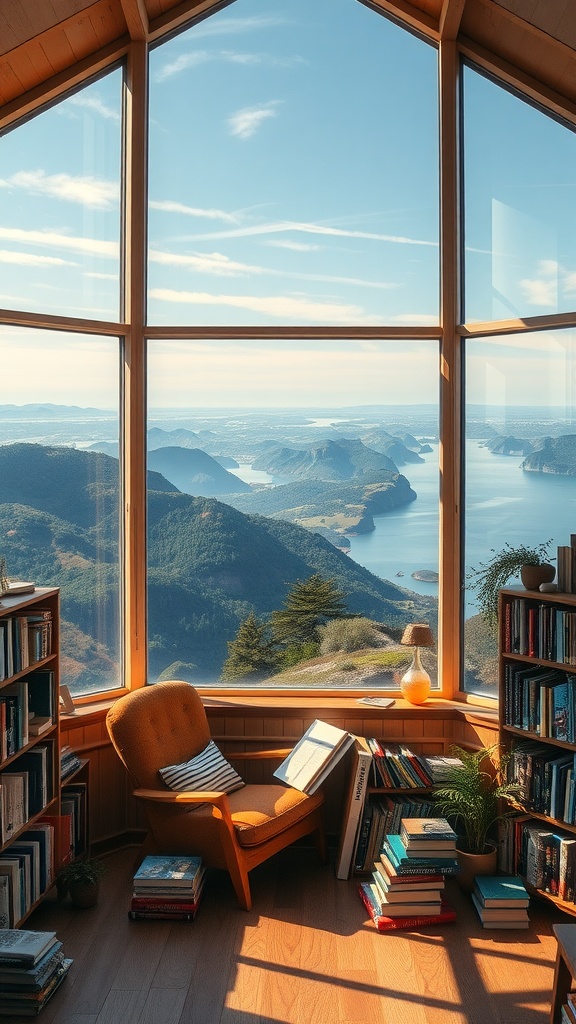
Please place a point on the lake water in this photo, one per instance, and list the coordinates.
(503, 503)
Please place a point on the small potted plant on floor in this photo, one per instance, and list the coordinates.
(531, 564)
(81, 879)
(471, 798)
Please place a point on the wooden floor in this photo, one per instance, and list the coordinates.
(305, 953)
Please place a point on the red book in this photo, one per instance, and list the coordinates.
(162, 906)
(386, 924)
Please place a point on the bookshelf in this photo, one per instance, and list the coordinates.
(384, 787)
(30, 837)
(537, 726)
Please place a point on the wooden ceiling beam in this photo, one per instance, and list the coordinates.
(183, 13)
(136, 17)
(450, 18)
(404, 12)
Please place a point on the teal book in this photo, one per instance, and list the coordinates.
(501, 891)
(396, 850)
(155, 870)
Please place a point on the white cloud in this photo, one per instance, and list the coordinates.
(282, 306)
(168, 206)
(195, 58)
(312, 229)
(54, 240)
(95, 104)
(87, 191)
(33, 260)
(208, 263)
(539, 292)
(295, 246)
(246, 122)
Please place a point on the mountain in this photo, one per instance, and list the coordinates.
(64, 482)
(553, 455)
(47, 410)
(209, 564)
(342, 508)
(182, 438)
(509, 446)
(194, 472)
(329, 460)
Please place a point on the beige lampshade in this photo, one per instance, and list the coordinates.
(418, 634)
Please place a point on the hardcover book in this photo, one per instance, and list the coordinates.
(168, 872)
(497, 891)
(386, 923)
(427, 830)
(314, 756)
(17, 945)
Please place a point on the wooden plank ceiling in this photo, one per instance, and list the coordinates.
(41, 39)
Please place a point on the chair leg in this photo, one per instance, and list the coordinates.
(241, 883)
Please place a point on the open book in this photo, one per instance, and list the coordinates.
(314, 757)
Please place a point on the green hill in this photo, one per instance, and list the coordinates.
(209, 564)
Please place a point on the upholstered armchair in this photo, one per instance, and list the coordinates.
(165, 725)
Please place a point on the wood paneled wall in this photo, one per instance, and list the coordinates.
(114, 815)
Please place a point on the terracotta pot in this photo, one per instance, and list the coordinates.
(533, 575)
(472, 864)
(84, 894)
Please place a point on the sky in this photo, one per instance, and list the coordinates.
(293, 180)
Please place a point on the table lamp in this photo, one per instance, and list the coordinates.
(415, 683)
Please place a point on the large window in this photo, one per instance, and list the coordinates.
(60, 207)
(277, 462)
(59, 489)
(520, 464)
(289, 363)
(520, 206)
(293, 176)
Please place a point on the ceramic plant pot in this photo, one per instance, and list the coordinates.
(472, 864)
(84, 894)
(533, 575)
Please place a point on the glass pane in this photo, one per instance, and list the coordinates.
(293, 176)
(60, 207)
(520, 206)
(271, 464)
(59, 488)
(520, 465)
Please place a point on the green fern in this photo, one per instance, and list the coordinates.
(471, 796)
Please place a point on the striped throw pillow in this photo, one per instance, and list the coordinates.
(209, 771)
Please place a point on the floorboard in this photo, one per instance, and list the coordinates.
(305, 952)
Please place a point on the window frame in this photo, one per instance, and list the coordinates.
(133, 334)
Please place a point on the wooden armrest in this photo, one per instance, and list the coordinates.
(219, 799)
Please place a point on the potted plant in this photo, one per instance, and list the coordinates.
(503, 566)
(471, 799)
(80, 878)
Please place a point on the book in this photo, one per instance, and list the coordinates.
(386, 923)
(19, 945)
(511, 914)
(397, 853)
(497, 891)
(427, 830)
(19, 587)
(355, 802)
(30, 1004)
(168, 872)
(152, 915)
(314, 756)
(407, 883)
(376, 702)
(414, 871)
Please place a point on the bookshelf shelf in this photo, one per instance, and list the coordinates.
(29, 761)
(537, 726)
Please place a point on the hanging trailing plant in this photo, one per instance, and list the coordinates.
(495, 573)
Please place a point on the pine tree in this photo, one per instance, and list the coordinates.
(251, 653)
(309, 604)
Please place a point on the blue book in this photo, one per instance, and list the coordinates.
(171, 871)
(501, 891)
(395, 849)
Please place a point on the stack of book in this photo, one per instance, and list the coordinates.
(167, 888)
(501, 902)
(32, 966)
(408, 880)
